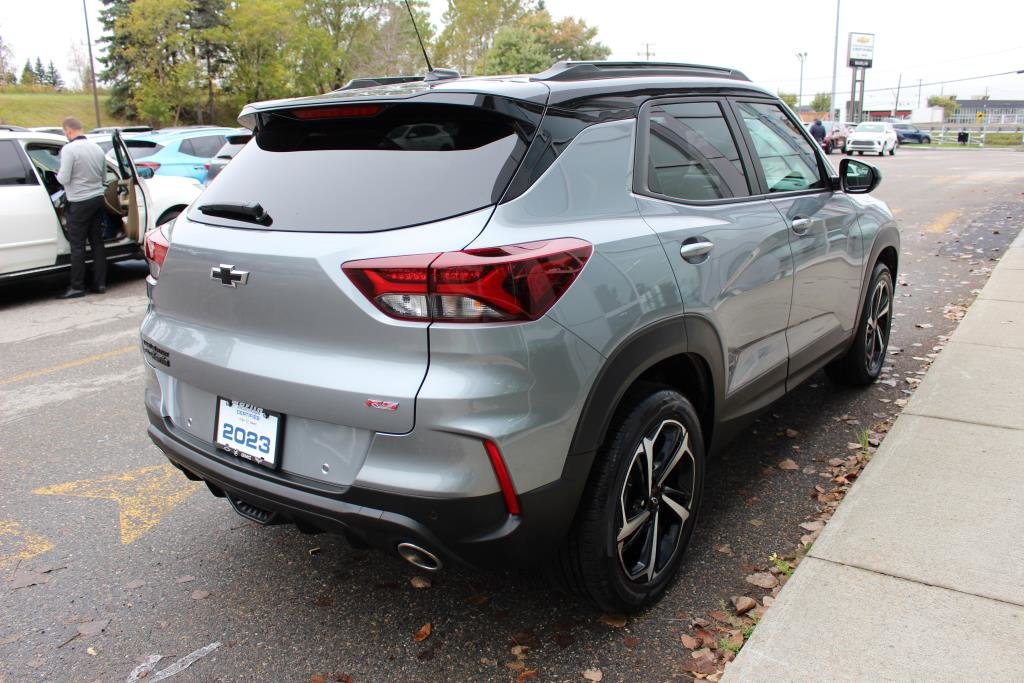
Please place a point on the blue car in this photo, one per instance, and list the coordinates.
(178, 151)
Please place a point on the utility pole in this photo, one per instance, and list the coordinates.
(919, 92)
(800, 94)
(92, 65)
(896, 104)
(646, 53)
(835, 63)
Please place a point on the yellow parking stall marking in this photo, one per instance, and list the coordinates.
(942, 223)
(18, 545)
(143, 496)
(42, 372)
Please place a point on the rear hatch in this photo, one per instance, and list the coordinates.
(252, 303)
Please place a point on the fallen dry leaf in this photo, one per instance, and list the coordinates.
(724, 549)
(317, 678)
(520, 650)
(91, 651)
(631, 642)
(743, 604)
(735, 639)
(324, 601)
(792, 433)
(707, 638)
(689, 642)
(423, 633)
(614, 620)
(788, 464)
(703, 666)
(517, 665)
(184, 579)
(763, 580)
(525, 675)
(702, 653)
(595, 675)
(420, 582)
(200, 594)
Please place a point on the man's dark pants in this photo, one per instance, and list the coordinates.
(85, 223)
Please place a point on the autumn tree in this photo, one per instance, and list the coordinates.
(394, 49)
(947, 102)
(7, 74)
(470, 27)
(535, 42)
(80, 66)
(260, 47)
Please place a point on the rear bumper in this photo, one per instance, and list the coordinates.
(475, 531)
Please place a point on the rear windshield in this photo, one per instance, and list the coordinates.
(140, 149)
(229, 150)
(364, 168)
(870, 128)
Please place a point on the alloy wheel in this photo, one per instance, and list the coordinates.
(876, 332)
(656, 501)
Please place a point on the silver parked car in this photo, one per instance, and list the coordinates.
(522, 343)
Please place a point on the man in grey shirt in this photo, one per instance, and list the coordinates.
(82, 171)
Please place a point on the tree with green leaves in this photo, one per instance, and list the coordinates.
(53, 77)
(205, 21)
(261, 46)
(536, 42)
(394, 49)
(164, 76)
(28, 75)
(336, 39)
(470, 27)
(947, 102)
(822, 102)
(789, 98)
(40, 71)
(117, 69)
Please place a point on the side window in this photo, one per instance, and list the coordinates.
(788, 159)
(12, 170)
(692, 154)
(203, 147)
(46, 159)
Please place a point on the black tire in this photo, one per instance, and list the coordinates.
(864, 360)
(848, 153)
(926, 140)
(828, 148)
(592, 562)
(860, 153)
(892, 151)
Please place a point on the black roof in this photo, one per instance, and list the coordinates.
(571, 85)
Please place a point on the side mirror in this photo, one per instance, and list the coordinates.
(857, 177)
(144, 171)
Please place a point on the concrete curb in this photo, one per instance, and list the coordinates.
(919, 575)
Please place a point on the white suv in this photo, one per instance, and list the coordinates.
(872, 136)
(33, 234)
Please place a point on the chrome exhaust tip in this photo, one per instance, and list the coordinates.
(418, 557)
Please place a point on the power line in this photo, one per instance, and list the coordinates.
(955, 80)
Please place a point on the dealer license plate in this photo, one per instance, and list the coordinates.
(248, 431)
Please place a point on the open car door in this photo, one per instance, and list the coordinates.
(129, 193)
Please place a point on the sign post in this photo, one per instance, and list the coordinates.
(860, 54)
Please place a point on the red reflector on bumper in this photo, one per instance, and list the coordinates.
(508, 491)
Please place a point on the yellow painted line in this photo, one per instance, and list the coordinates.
(68, 365)
(143, 496)
(17, 545)
(942, 223)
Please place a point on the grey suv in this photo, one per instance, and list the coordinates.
(520, 345)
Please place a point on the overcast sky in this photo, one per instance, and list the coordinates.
(759, 38)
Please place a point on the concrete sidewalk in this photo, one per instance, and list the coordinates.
(919, 576)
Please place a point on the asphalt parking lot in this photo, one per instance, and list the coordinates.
(110, 558)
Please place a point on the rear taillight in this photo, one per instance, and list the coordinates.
(496, 284)
(148, 164)
(155, 245)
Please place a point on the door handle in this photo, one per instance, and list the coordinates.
(800, 226)
(694, 252)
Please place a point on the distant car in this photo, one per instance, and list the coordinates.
(908, 133)
(878, 137)
(233, 146)
(179, 151)
(835, 136)
(421, 136)
(53, 130)
(32, 205)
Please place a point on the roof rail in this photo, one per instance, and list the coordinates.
(584, 71)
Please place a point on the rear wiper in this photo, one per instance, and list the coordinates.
(250, 213)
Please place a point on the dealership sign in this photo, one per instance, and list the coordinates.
(861, 50)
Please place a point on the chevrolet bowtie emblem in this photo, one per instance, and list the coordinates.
(228, 276)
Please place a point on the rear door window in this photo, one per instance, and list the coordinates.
(786, 155)
(12, 169)
(203, 147)
(692, 154)
(140, 149)
(370, 167)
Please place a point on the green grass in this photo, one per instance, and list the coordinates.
(49, 109)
